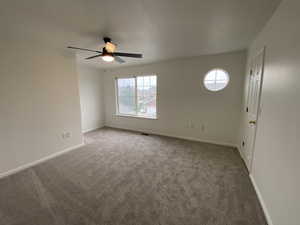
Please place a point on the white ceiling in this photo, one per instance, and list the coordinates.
(160, 29)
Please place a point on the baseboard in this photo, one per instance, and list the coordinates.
(92, 129)
(242, 156)
(240, 151)
(261, 200)
(28, 165)
(258, 193)
(174, 136)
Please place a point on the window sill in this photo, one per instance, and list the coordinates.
(137, 117)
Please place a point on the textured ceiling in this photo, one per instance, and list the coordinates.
(160, 29)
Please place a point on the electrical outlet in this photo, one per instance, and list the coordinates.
(202, 128)
(66, 135)
(191, 125)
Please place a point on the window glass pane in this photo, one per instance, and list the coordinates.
(220, 85)
(210, 86)
(146, 96)
(146, 81)
(221, 75)
(126, 87)
(153, 81)
(140, 82)
(127, 105)
(126, 96)
(211, 75)
(216, 80)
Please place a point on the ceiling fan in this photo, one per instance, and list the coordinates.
(108, 53)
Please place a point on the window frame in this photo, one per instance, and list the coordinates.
(136, 96)
(215, 91)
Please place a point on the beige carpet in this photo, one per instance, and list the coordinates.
(124, 178)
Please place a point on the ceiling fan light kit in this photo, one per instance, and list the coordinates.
(108, 53)
(110, 47)
(108, 58)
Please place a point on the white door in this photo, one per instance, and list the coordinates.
(253, 105)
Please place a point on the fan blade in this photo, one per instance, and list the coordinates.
(119, 59)
(94, 56)
(132, 55)
(84, 49)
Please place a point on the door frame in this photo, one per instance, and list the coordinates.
(259, 107)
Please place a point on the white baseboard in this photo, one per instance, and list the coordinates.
(174, 136)
(28, 165)
(261, 200)
(240, 151)
(92, 129)
(258, 193)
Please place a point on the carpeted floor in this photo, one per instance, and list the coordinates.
(124, 178)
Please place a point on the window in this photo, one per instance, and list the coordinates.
(136, 96)
(216, 80)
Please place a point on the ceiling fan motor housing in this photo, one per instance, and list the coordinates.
(106, 39)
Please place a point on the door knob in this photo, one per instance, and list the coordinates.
(252, 122)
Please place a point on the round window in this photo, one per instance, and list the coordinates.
(216, 80)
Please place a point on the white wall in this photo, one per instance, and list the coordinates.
(91, 97)
(39, 100)
(182, 98)
(276, 164)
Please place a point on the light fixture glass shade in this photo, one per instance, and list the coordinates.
(108, 58)
(110, 47)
